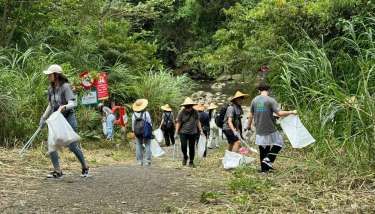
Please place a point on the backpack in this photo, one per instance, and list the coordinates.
(142, 129)
(220, 116)
(168, 122)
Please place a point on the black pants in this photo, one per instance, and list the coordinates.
(270, 152)
(169, 136)
(185, 140)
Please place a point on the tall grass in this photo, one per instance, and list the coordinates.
(159, 86)
(333, 86)
(23, 91)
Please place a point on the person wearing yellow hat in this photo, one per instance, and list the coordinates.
(232, 126)
(61, 98)
(142, 128)
(167, 125)
(188, 127)
(267, 137)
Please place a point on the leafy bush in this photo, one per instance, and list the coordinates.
(337, 93)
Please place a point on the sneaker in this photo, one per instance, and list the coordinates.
(268, 163)
(85, 173)
(184, 162)
(55, 175)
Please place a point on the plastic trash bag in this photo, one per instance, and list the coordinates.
(201, 146)
(212, 124)
(158, 133)
(233, 160)
(297, 134)
(60, 133)
(210, 142)
(156, 150)
(104, 124)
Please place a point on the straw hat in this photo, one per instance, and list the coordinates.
(188, 102)
(53, 69)
(166, 107)
(212, 106)
(239, 94)
(199, 107)
(140, 105)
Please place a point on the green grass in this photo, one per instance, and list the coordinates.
(333, 89)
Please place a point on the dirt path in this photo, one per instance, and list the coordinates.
(163, 187)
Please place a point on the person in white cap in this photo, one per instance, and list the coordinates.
(61, 98)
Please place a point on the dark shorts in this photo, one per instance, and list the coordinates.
(230, 136)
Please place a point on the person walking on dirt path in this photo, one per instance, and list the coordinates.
(211, 115)
(188, 126)
(269, 140)
(232, 126)
(142, 128)
(61, 98)
(167, 125)
(205, 123)
(109, 119)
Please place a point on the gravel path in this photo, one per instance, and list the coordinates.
(129, 188)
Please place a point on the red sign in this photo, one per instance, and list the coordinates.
(102, 86)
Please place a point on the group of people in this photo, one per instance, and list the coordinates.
(191, 123)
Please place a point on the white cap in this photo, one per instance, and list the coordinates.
(53, 69)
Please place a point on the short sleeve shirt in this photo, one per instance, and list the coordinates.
(262, 108)
(235, 112)
(189, 122)
(59, 96)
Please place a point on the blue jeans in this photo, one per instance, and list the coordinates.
(74, 147)
(110, 120)
(139, 150)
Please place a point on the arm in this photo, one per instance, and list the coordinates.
(162, 120)
(148, 118)
(133, 120)
(285, 113)
(200, 127)
(250, 118)
(69, 96)
(231, 126)
(47, 112)
(178, 126)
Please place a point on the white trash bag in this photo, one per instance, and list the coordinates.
(60, 133)
(158, 133)
(233, 160)
(156, 150)
(104, 124)
(297, 134)
(201, 146)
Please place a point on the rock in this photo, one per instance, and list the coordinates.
(237, 77)
(224, 77)
(218, 93)
(217, 86)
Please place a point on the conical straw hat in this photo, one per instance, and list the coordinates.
(166, 107)
(188, 102)
(239, 94)
(212, 106)
(140, 105)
